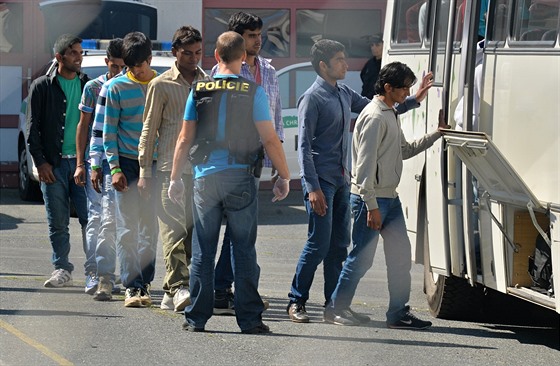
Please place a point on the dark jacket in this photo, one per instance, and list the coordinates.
(46, 116)
(369, 75)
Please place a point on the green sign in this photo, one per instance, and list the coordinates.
(290, 121)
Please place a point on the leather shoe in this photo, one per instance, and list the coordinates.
(297, 313)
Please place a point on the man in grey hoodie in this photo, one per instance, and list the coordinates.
(378, 149)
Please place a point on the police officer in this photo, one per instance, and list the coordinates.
(225, 122)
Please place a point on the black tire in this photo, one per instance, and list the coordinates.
(451, 298)
(29, 189)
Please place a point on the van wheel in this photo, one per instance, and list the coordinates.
(29, 190)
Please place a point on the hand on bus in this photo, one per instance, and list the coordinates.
(425, 85)
(374, 219)
(442, 123)
(318, 202)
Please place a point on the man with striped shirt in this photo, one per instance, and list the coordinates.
(137, 227)
(163, 119)
(100, 239)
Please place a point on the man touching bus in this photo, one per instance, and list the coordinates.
(378, 149)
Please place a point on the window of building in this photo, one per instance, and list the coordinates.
(349, 27)
(275, 32)
(11, 27)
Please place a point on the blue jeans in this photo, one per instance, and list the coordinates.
(105, 252)
(224, 267)
(137, 229)
(397, 256)
(94, 222)
(327, 240)
(233, 193)
(57, 198)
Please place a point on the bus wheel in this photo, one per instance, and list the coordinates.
(452, 297)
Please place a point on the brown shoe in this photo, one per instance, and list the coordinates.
(297, 313)
(104, 289)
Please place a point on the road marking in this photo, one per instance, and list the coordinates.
(43, 349)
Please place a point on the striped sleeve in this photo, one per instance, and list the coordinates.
(96, 151)
(111, 125)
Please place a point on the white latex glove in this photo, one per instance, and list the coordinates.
(176, 191)
(281, 189)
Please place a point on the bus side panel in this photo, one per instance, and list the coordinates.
(414, 126)
(519, 109)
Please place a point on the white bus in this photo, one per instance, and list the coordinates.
(477, 202)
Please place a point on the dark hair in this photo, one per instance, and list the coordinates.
(185, 35)
(324, 50)
(137, 48)
(64, 42)
(230, 46)
(115, 48)
(241, 21)
(396, 74)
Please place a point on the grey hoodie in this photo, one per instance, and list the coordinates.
(378, 149)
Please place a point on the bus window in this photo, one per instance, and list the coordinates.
(536, 21)
(460, 20)
(275, 33)
(498, 22)
(410, 21)
(339, 25)
(441, 39)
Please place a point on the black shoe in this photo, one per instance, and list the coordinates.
(191, 328)
(223, 303)
(409, 321)
(342, 317)
(297, 313)
(259, 329)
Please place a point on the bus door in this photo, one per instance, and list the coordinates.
(435, 170)
(452, 33)
(454, 54)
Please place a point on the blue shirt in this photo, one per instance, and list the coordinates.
(218, 159)
(324, 118)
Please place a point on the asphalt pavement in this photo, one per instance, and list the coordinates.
(40, 326)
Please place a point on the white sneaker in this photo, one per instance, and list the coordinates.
(166, 302)
(59, 278)
(181, 299)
